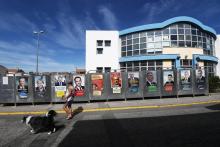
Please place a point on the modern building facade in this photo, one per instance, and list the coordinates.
(217, 52)
(180, 42)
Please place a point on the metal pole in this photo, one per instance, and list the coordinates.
(38, 36)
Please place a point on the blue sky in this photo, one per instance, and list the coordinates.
(62, 46)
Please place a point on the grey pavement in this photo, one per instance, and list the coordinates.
(112, 104)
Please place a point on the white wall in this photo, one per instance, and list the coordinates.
(217, 52)
(110, 56)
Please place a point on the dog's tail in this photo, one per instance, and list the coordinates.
(51, 113)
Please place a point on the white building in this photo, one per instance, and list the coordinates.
(179, 42)
(217, 52)
(102, 50)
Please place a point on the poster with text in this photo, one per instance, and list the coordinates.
(133, 82)
(79, 84)
(151, 81)
(168, 81)
(22, 87)
(97, 84)
(116, 82)
(60, 85)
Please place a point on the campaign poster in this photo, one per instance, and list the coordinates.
(133, 82)
(60, 85)
(200, 79)
(40, 86)
(116, 82)
(185, 80)
(168, 81)
(151, 81)
(79, 84)
(97, 84)
(22, 87)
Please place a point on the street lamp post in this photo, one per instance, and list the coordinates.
(38, 37)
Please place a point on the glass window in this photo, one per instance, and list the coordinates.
(158, 38)
(193, 32)
(129, 53)
(158, 45)
(159, 63)
(174, 43)
(150, 38)
(123, 38)
(194, 44)
(200, 45)
(173, 31)
(142, 40)
(136, 46)
(99, 51)
(143, 51)
(136, 63)
(129, 64)
(151, 33)
(136, 52)
(200, 39)
(166, 37)
(107, 42)
(181, 37)
(151, 63)
(194, 38)
(180, 25)
(143, 34)
(123, 48)
(166, 31)
(123, 64)
(188, 44)
(129, 47)
(199, 32)
(188, 37)
(136, 35)
(173, 37)
(180, 31)
(143, 63)
(135, 40)
(99, 42)
(150, 45)
(143, 45)
(123, 54)
(204, 39)
(187, 31)
(181, 44)
(129, 42)
(165, 43)
(129, 36)
(174, 26)
(187, 25)
(158, 33)
(123, 43)
(151, 68)
(204, 45)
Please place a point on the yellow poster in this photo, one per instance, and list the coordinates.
(60, 93)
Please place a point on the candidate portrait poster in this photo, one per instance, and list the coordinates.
(40, 86)
(200, 79)
(60, 85)
(185, 80)
(151, 81)
(97, 84)
(168, 81)
(133, 82)
(79, 85)
(116, 82)
(22, 87)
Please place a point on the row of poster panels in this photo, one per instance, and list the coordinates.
(114, 85)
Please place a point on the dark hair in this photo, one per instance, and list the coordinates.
(170, 75)
(77, 77)
(70, 83)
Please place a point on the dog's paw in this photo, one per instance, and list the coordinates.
(49, 133)
(32, 131)
(54, 130)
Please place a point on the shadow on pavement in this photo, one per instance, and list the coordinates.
(77, 111)
(214, 107)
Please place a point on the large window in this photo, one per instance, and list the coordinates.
(175, 35)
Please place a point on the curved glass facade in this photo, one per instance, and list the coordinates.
(152, 42)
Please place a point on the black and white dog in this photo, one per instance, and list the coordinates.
(41, 123)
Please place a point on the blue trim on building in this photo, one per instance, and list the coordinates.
(151, 57)
(199, 57)
(166, 23)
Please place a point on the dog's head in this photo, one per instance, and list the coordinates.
(51, 113)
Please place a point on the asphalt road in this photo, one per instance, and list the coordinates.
(173, 127)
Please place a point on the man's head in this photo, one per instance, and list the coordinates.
(170, 77)
(22, 81)
(199, 72)
(150, 77)
(131, 75)
(78, 81)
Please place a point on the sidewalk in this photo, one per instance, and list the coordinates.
(113, 105)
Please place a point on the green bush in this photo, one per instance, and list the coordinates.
(214, 83)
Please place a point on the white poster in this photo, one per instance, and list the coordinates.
(5, 80)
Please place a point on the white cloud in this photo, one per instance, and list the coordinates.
(109, 17)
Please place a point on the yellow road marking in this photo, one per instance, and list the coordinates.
(115, 108)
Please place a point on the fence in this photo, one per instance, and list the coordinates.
(104, 86)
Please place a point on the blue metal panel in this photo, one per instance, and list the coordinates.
(166, 23)
(152, 57)
(198, 57)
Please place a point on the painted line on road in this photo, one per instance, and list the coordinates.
(115, 108)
